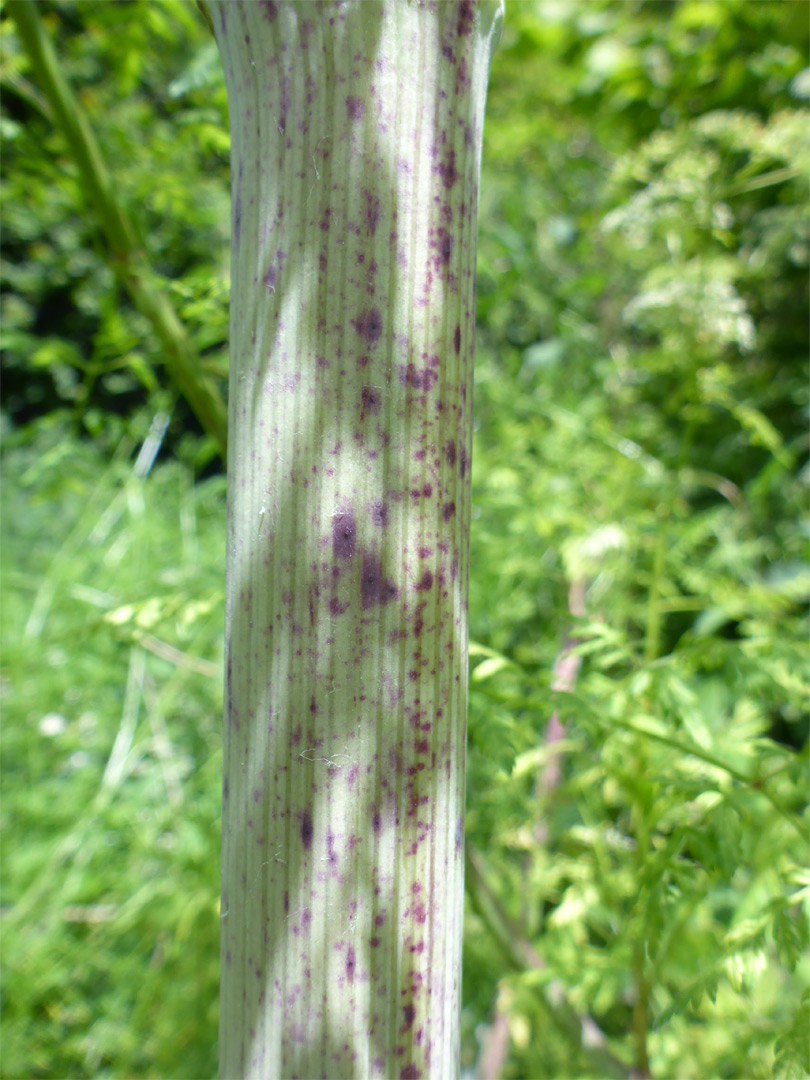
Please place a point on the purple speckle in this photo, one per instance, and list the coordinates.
(369, 401)
(418, 378)
(372, 212)
(350, 964)
(462, 462)
(426, 582)
(457, 339)
(237, 217)
(375, 588)
(448, 510)
(335, 606)
(445, 246)
(379, 512)
(313, 708)
(409, 1015)
(306, 830)
(465, 18)
(270, 279)
(355, 107)
(410, 1072)
(368, 325)
(344, 534)
(376, 821)
(270, 9)
(447, 170)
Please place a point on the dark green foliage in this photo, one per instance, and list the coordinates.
(71, 337)
(641, 446)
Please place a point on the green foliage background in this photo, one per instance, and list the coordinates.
(638, 870)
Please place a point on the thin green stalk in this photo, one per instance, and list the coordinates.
(640, 1011)
(639, 942)
(126, 255)
(652, 639)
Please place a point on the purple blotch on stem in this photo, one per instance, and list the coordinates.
(445, 246)
(375, 588)
(344, 535)
(418, 378)
(368, 325)
(355, 107)
(372, 211)
(426, 582)
(379, 512)
(465, 18)
(447, 170)
(369, 401)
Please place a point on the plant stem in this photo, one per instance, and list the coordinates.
(652, 638)
(642, 987)
(356, 133)
(126, 256)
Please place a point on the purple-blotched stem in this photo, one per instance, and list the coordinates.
(356, 135)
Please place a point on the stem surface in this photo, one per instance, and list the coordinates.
(356, 135)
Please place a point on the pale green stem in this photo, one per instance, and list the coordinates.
(356, 134)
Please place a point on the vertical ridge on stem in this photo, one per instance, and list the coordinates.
(356, 133)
